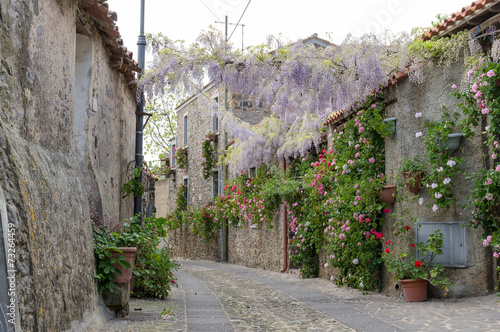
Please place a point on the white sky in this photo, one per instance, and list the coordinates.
(184, 19)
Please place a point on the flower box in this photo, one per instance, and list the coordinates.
(413, 180)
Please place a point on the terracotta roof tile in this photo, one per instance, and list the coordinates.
(457, 17)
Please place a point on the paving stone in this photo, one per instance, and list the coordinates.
(224, 297)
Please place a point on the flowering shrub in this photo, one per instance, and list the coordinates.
(181, 156)
(208, 160)
(441, 166)
(341, 207)
(404, 265)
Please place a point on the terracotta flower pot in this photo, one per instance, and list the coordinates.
(126, 274)
(413, 180)
(386, 194)
(415, 291)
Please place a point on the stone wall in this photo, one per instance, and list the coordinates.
(55, 144)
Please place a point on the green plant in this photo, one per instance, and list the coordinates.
(153, 267)
(403, 262)
(208, 158)
(134, 185)
(104, 245)
(181, 157)
(409, 165)
(442, 167)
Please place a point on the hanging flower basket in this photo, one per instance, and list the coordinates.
(414, 290)
(413, 180)
(452, 144)
(387, 194)
(391, 126)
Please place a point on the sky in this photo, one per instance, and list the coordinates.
(184, 19)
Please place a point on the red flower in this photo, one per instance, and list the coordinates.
(387, 243)
(418, 263)
(412, 245)
(407, 227)
(387, 250)
(387, 211)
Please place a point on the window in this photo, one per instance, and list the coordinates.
(215, 118)
(215, 123)
(215, 184)
(186, 141)
(186, 184)
(172, 154)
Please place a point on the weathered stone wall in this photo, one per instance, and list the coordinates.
(44, 174)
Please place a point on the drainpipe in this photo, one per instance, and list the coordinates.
(285, 232)
(139, 114)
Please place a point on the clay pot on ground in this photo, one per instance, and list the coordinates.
(386, 194)
(413, 180)
(126, 274)
(414, 290)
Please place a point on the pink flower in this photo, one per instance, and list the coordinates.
(490, 73)
(488, 182)
(497, 169)
(387, 211)
(485, 111)
(418, 115)
(489, 197)
(494, 156)
(372, 160)
(495, 254)
(453, 86)
(374, 105)
(469, 73)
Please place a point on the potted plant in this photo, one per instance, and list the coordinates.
(414, 274)
(386, 194)
(413, 173)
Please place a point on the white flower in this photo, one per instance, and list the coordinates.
(418, 134)
(438, 195)
(418, 115)
(331, 278)
(325, 265)
(446, 180)
(440, 169)
(487, 128)
(451, 163)
(434, 185)
(421, 200)
(355, 261)
(435, 207)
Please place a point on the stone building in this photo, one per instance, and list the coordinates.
(255, 247)
(469, 265)
(67, 128)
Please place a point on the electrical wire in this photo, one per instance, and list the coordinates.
(209, 10)
(239, 19)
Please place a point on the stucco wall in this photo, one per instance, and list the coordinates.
(40, 166)
(428, 98)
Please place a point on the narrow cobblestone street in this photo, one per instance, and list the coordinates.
(223, 297)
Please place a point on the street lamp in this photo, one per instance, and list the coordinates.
(141, 50)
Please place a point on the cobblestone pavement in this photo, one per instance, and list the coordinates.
(223, 297)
